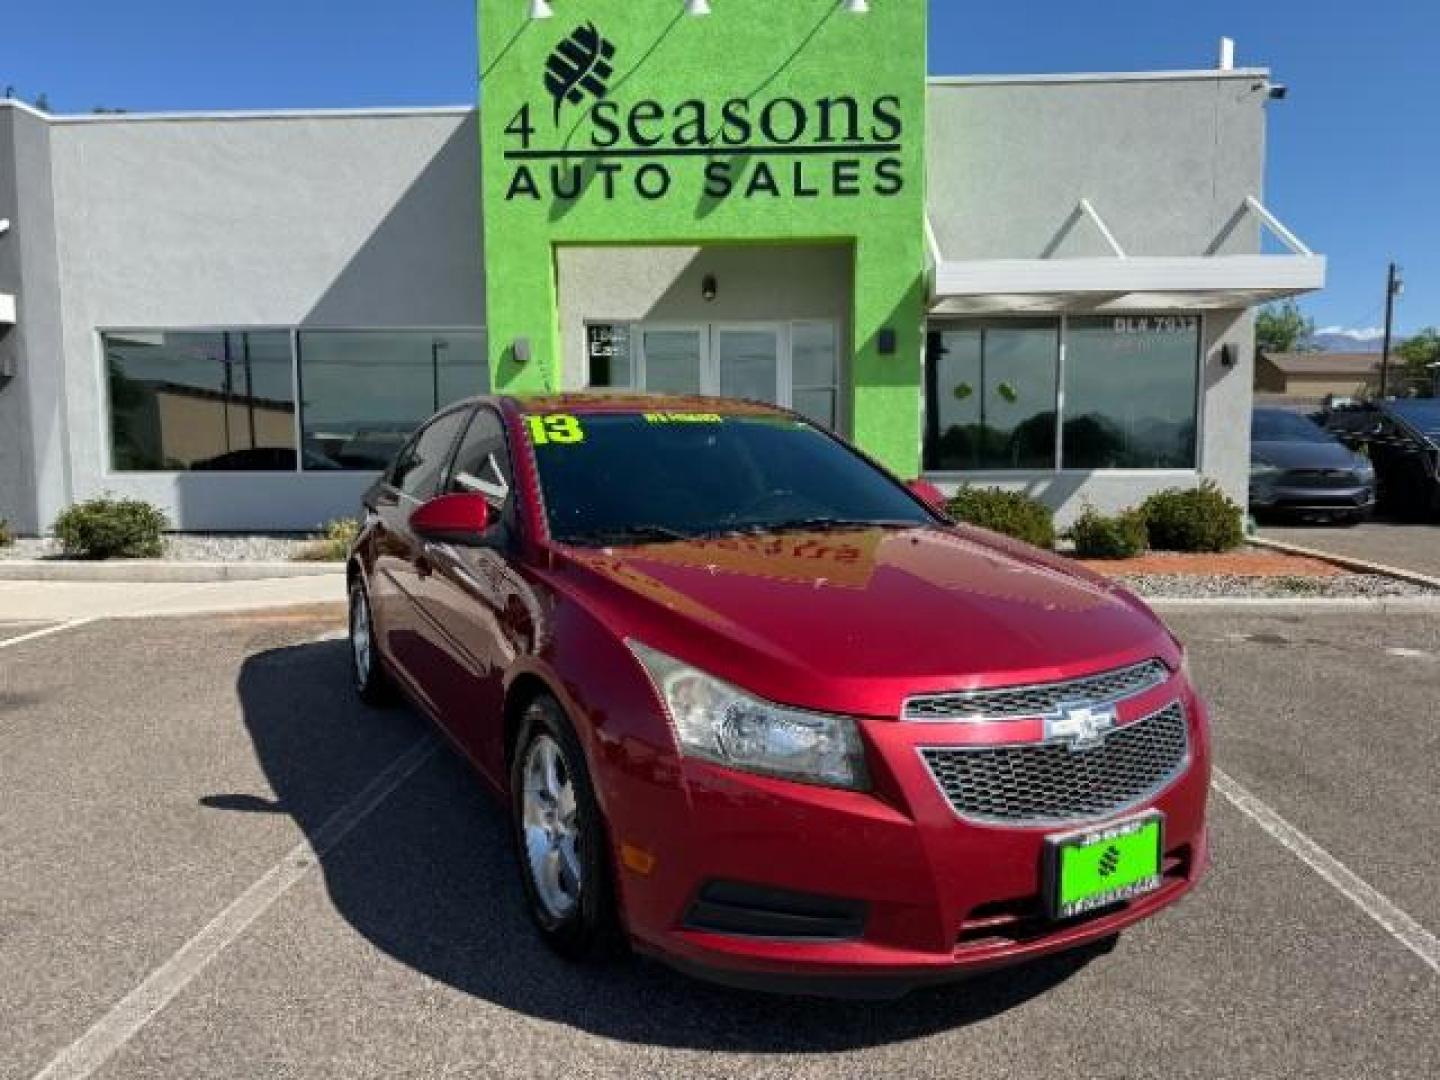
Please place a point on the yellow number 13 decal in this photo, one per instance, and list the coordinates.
(562, 430)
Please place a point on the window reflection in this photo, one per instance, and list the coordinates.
(364, 392)
(1130, 392)
(991, 392)
(200, 401)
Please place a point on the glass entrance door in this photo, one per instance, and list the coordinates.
(674, 360)
(790, 364)
(748, 362)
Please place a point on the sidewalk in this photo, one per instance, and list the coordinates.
(63, 601)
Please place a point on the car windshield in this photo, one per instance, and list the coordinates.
(1273, 425)
(1422, 414)
(618, 478)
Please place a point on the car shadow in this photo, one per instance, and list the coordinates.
(429, 878)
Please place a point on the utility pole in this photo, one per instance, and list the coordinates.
(1394, 286)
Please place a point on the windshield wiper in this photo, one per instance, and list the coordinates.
(625, 534)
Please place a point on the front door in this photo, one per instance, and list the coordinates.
(793, 365)
(747, 363)
(674, 359)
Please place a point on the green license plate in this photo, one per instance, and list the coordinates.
(1093, 869)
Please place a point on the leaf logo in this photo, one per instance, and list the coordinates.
(580, 65)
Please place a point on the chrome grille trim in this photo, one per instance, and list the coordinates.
(1050, 783)
(1013, 702)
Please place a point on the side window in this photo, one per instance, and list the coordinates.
(417, 471)
(483, 461)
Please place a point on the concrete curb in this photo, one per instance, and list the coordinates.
(1355, 605)
(150, 571)
(1362, 566)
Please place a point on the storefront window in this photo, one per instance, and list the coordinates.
(364, 392)
(991, 394)
(216, 402)
(1130, 392)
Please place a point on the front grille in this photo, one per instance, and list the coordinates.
(1321, 478)
(1051, 783)
(1015, 701)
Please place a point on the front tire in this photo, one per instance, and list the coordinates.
(560, 838)
(365, 666)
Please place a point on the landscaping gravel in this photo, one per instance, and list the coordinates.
(186, 548)
(1229, 586)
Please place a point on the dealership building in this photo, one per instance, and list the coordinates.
(1044, 283)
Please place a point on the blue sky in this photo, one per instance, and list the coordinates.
(1354, 151)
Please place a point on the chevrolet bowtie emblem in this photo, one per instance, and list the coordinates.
(1082, 727)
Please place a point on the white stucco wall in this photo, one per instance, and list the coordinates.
(308, 220)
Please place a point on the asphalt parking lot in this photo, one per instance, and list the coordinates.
(164, 785)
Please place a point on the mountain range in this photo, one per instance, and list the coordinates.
(1351, 341)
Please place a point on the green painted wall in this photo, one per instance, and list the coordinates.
(630, 122)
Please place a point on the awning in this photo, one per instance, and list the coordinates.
(1120, 282)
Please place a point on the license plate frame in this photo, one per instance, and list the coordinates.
(1069, 898)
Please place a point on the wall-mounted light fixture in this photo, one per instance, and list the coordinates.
(697, 7)
(540, 9)
(1229, 355)
(887, 342)
(522, 350)
(709, 288)
(856, 7)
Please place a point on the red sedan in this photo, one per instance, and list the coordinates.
(761, 710)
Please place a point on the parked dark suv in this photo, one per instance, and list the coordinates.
(1402, 440)
(1298, 468)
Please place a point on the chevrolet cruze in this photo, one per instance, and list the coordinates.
(761, 710)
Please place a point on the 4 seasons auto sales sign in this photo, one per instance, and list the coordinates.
(584, 141)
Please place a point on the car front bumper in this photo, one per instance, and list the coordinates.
(941, 897)
(1292, 499)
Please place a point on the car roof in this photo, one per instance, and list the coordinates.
(593, 402)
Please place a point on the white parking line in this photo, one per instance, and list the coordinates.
(47, 631)
(1396, 923)
(141, 1005)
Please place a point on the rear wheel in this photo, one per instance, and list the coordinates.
(560, 837)
(365, 666)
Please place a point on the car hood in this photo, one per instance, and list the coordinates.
(856, 621)
(1304, 455)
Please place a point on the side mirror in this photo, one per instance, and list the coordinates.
(928, 493)
(453, 519)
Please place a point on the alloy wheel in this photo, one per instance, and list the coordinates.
(361, 645)
(550, 824)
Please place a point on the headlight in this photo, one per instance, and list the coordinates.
(718, 722)
(1262, 470)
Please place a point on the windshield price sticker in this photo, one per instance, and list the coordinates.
(557, 429)
(683, 418)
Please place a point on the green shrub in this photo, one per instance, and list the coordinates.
(1007, 512)
(1100, 536)
(107, 528)
(334, 546)
(7, 537)
(1193, 519)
